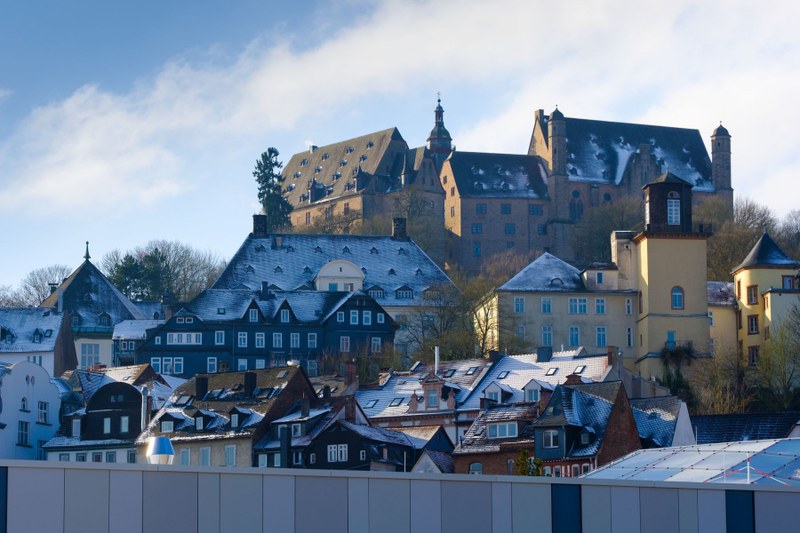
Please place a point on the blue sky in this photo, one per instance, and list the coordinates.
(121, 123)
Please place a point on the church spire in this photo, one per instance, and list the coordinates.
(86, 255)
(439, 141)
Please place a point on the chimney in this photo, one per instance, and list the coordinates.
(495, 356)
(399, 229)
(326, 392)
(259, 226)
(573, 379)
(612, 354)
(544, 354)
(350, 373)
(249, 383)
(277, 241)
(305, 407)
(350, 409)
(145, 406)
(436, 360)
(264, 290)
(200, 387)
(53, 287)
(312, 148)
(60, 300)
(286, 445)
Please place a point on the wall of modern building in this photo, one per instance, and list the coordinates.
(56, 498)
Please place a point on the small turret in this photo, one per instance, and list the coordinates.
(721, 163)
(439, 141)
(557, 139)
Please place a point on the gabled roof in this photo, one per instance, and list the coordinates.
(547, 273)
(384, 261)
(668, 177)
(21, 326)
(499, 175)
(88, 293)
(720, 293)
(744, 426)
(766, 253)
(388, 436)
(599, 151)
(476, 438)
(443, 461)
(656, 419)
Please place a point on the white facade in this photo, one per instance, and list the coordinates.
(30, 410)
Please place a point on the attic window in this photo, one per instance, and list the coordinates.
(395, 402)
(304, 162)
(472, 370)
(449, 373)
(37, 336)
(289, 248)
(579, 369)
(306, 270)
(370, 404)
(364, 270)
(250, 269)
(317, 250)
(419, 272)
(318, 170)
(375, 293)
(278, 269)
(363, 157)
(104, 320)
(337, 175)
(345, 250)
(370, 144)
(87, 297)
(260, 248)
(48, 332)
(213, 394)
(402, 251)
(326, 155)
(503, 374)
(220, 310)
(350, 149)
(391, 272)
(343, 162)
(551, 371)
(373, 250)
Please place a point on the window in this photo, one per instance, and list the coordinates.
(547, 335)
(752, 294)
(673, 211)
(576, 469)
(344, 344)
(578, 306)
(166, 365)
(22, 433)
(253, 315)
(493, 395)
(333, 287)
(541, 229)
(241, 364)
(297, 430)
(80, 457)
(477, 227)
(230, 455)
(284, 316)
(505, 209)
(111, 457)
(177, 365)
(375, 345)
(535, 210)
(367, 318)
(510, 228)
(550, 438)
(242, 339)
(629, 336)
(574, 336)
(786, 282)
(677, 298)
(297, 457)
(260, 342)
(90, 355)
(404, 294)
(452, 191)
(585, 468)
(106, 425)
(97, 457)
(480, 209)
(185, 458)
(502, 430)
(628, 306)
(63, 457)
(598, 276)
(600, 306)
(509, 244)
(211, 365)
(76, 427)
(433, 398)
(476, 469)
(158, 339)
(277, 340)
(261, 364)
(219, 338)
(547, 305)
(353, 318)
(396, 402)
(752, 324)
(362, 455)
(337, 453)
(380, 317)
(294, 340)
(312, 340)
(205, 456)
(185, 338)
(521, 332)
(476, 249)
(44, 413)
(600, 336)
(167, 426)
(519, 304)
(752, 355)
(711, 318)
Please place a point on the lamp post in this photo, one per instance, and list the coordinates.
(160, 451)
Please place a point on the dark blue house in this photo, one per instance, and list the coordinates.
(241, 329)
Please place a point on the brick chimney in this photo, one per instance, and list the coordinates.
(259, 226)
(350, 373)
(573, 379)
(326, 392)
(399, 229)
(305, 407)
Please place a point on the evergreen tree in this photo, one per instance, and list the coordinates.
(270, 190)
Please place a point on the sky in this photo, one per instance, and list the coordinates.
(126, 122)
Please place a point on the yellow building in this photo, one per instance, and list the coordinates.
(722, 311)
(766, 285)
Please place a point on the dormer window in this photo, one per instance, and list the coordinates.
(502, 430)
(76, 427)
(550, 438)
(167, 426)
(284, 316)
(234, 420)
(37, 336)
(198, 423)
(584, 438)
(433, 398)
(493, 396)
(297, 430)
(253, 315)
(599, 278)
(532, 395)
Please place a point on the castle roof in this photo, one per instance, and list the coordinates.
(547, 273)
(499, 175)
(766, 253)
(721, 130)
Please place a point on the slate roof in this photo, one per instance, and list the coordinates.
(386, 263)
(18, 326)
(61, 441)
(476, 438)
(384, 435)
(656, 419)
(381, 157)
(444, 461)
(600, 151)
(393, 396)
(88, 293)
(546, 273)
(327, 416)
(744, 427)
(525, 367)
(134, 329)
(720, 293)
(766, 253)
(487, 175)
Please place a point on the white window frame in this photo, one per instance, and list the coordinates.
(277, 340)
(353, 318)
(205, 456)
(252, 315)
(376, 345)
(344, 344)
(260, 340)
(219, 338)
(547, 335)
(547, 305)
(124, 424)
(184, 457)
(599, 306)
(673, 211)
(284, 316)
(155, 363)
(177, 365)
(366, 318)
(519, 304)
(551, 439)
(601, 337)
(380, 318)
(107, 425)
(241, 339)
(167, 426)
(230, 455)
(340, 317)
(574, 336)
(241, 364)
(312, 340)
(294, 340)
(211, 365)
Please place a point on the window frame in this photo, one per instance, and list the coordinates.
(677, 298)
(551, 439)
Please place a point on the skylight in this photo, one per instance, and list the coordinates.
(395, 402)
(472, 370)
(449, 373)
(551, 371)
(579, 369)
(370, 404)
(282, 374)
(503, 374)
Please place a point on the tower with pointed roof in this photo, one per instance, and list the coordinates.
(721, 163)
(767, 286)
(440, 144)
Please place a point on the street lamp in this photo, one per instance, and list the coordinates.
(160, 451)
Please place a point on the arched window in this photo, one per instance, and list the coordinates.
(476, 468)
(23, 404)
(677, 298)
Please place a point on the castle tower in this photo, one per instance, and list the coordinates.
(440, 143)
(557, 137)
(721, 164)
(670, 256)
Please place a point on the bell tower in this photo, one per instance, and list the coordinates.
(440, 144)
(721, 165)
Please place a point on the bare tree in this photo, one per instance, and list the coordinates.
(723, 383)
(779, 364)
(35, 286)
(9, 297)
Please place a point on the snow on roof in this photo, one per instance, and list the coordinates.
(766, 252)
(298, 415)
(76, 442)
(29, 329)
(546, 273)
(720, 293)
(134, 329)
(523, 368)
(385, 262)
(485, 174)
(383, 435)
